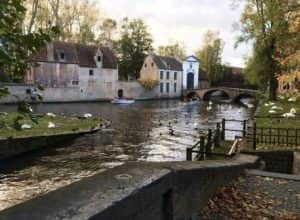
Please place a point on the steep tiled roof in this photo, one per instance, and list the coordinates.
(80, 54)
(167, 63)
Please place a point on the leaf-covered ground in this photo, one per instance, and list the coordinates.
(255, 197)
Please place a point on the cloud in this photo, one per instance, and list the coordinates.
(184, 21)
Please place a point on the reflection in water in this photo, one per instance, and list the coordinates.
(148, 131)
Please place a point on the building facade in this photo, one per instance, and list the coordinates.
(91, 72)
(167, 71)
(190, 79)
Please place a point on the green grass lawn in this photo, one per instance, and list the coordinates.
(63, 125)
(275, 119)
(265, 120)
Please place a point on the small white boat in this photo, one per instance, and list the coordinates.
(123, 101)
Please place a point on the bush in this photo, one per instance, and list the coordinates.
(148, 84)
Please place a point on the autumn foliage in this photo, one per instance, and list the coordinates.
(148, 84)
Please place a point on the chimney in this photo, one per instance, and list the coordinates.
(50, 51)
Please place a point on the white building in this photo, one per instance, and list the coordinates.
(167, 71)
(190, 78)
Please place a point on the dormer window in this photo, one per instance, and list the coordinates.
(91, 72)
(62, 55)
(99, 58)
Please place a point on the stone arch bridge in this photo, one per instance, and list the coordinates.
(234, 94)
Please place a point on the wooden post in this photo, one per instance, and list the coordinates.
(223, 129)
(202, 147)
(189, 154)
(244, 128)
(287, 137)
(296, 141)
(217, 136)
(209, 142)
(254, 136)
(270, 136)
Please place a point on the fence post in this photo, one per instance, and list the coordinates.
(254, 136)
(202, 147)
(189, 154)
(244, 127)
(209, 142)
(223, 129)
(217, 136)
(296, 141)
(287, 137)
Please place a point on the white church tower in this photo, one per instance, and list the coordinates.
(190, 78)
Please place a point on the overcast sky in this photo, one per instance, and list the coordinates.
(183, 21)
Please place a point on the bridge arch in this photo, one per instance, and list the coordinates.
(192, 94)
(243, 95)
(207, 94)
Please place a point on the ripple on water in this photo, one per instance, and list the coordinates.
(139, 132)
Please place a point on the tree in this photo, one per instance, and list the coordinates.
(265, 23)
(76, 19)
(132, 47)
(15, 45)
(210, 56)
(108, 29)
(172, 50)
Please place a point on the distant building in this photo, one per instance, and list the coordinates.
(167, 71)
(203, 79)
(232, 77)
(92, 70)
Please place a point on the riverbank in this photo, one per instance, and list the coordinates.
(22, 133)
(275, 114)
(42, 125)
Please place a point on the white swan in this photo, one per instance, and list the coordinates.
(87, 115)
(51, 115)
(209, 108)
(293, 111)
(289, 115)
(25, 126)
(51, 125)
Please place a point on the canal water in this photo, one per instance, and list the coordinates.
(139, 132)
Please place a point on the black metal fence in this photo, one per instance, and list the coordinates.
(282, 137)
(204, 146)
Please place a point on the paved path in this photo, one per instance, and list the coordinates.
(257, 195)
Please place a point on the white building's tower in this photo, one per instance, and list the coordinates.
(190, 78)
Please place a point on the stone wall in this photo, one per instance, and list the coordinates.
(88, 90)
(136, 191)
(277, 161)
(15, 146)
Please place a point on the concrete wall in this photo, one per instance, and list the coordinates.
(277, 161)
(99, 86)
(56, 74)
(16, 90)
(136, 191)
(135, 90)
